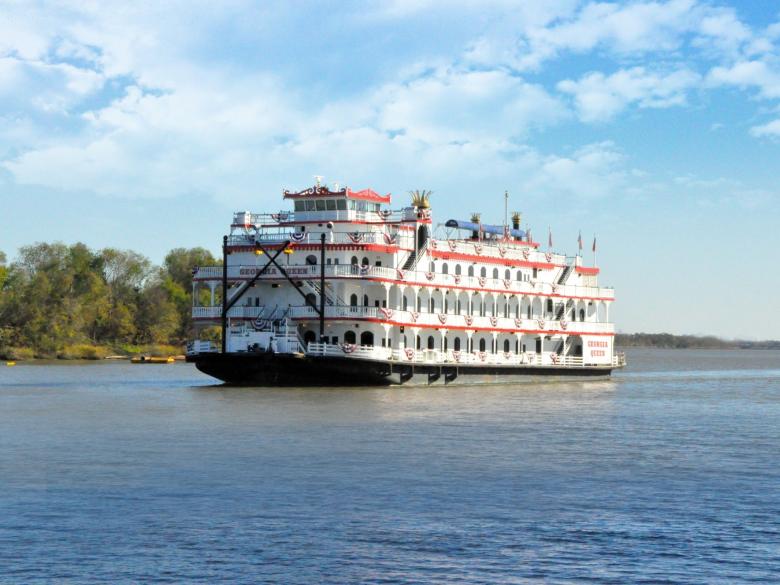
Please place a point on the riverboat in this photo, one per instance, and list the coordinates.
(342, 289)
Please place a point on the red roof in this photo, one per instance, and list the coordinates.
(368, 195)
(322, 191)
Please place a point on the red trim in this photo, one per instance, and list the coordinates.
(367, 247)
(447, 255)
(587, 270)
(363, 195)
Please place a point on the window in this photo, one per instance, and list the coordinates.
(365, 300)
(445, 344)
(364, 261)
(456, 345)
(536, 272)
(457, 269)
(311, 260)
(300, 206)
(445, 269)
(507, 274)
(311, 300)
(520, 275)
(418, 342)
(549, 305)
(352, 205)
(320, 205)
(309, 205)
(446, 305)
(458, 307)
(582, 314)
(430, 342)
(378, 263)
(349, 337)
(495, 273)
(471, 271)
(419, 304)
(366, 338)
(341, 204)
(354, 261)
(330, 204)
(405, 303)
(353, 301)
(506, 345)
(335, 260)
(334, 340)
(309, 337)
(483, 272)
(481, 345)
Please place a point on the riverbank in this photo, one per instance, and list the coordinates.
(669, 341)
(85, 351)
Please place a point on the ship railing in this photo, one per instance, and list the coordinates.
(449, 357)
(200, 346)
(410, 278)
(234, 312)
(249, 220)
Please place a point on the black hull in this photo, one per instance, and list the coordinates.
(268, 369)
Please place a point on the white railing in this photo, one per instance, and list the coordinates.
(452, 357)
(198, 346)
(384, 216)
(234, 312)
(443, 321)
(411, 278)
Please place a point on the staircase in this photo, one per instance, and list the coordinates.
(563, 309)
(565, 274)
(331, 298)
(411, 261)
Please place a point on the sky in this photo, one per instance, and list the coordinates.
(653, 125)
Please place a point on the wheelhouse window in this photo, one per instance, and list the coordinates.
(300, 206)
(330, 204)
(341, 204)
(320, 205)
(309, 205)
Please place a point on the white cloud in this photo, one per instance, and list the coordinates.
(599, 97)
(768, 130)
(744, 74)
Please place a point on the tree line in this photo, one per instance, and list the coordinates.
(55, 296)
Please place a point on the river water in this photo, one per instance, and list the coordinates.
(667, 473)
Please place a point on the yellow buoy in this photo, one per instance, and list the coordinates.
(10, 363)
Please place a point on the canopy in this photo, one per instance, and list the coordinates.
(486, 229)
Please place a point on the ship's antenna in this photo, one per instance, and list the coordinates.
(506, 204)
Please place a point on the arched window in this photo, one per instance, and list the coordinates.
(354, 261)
(353, 301)
(349, 337)
(506, 345)
(507, 274)
(495, 273)
(582, 314)
(445, 269)
(430, 342)
(405, 303)
(311, 260)
(457, 269)
(471, 271)
(520, 275)
(457, 311)
(506, 308)
(364, 261)
(457, 344)
(365, 300)
(481, 345)
(445, 344)
(309, 337)
(483, 272)
(446, 305)
(311, 300)
(366, 338)
(418, 342)
(419, 304)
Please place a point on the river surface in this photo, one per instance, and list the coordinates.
(667, 473)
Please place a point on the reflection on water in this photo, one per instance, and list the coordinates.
(667, 472)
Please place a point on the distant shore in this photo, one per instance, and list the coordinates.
(669, 341)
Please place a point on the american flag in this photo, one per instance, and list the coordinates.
(594, 243)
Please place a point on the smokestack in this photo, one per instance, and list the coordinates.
(516, 217)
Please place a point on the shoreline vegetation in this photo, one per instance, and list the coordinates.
(669, 341)
(71, 302)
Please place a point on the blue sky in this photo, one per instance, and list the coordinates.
(655, 125)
